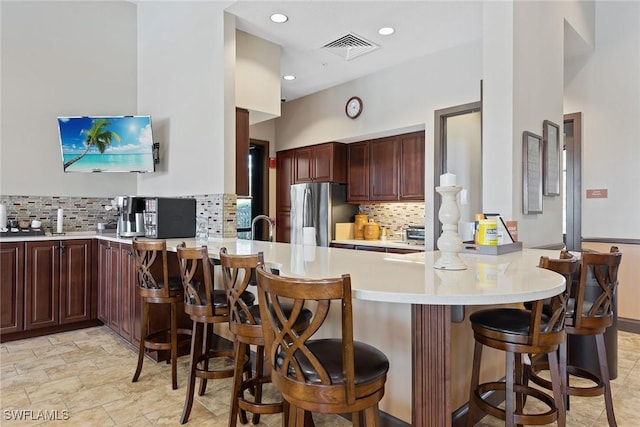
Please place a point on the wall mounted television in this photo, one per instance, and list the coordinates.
(106, 144)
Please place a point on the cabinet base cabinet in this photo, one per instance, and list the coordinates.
(11, 287)
(42, 284)
(47, 287)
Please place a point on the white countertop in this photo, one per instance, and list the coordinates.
(397, 278)
(410, 278)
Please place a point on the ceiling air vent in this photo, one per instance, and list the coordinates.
(350, 46)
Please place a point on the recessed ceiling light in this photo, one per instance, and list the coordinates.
(386, 31)
(289, 77)
(279, 18)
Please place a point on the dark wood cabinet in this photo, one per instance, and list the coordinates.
(42, 284)
(116, 284)
(76, 281)
(387, 169)
(285, 176)
(11, 287)
(321, 163)
(58, 283)
(358, 172)
(127, 291)
(412, 164)
(383, 169)
(242, 152)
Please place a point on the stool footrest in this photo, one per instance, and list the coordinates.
(518, 418)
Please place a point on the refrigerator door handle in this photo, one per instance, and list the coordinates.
(305, 198)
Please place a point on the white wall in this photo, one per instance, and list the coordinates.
(183, 83)
(257, 77)
(605, 87)
(523, 78)
(62, 59)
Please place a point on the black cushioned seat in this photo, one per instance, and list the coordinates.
(372, 363)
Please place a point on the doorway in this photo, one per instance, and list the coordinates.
(458, 149)
(572, 181)
(259, 184)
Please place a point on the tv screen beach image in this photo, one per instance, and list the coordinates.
(106, 144)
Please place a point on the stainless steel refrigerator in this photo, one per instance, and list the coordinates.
(315, 209)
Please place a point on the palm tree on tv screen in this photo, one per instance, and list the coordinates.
(98, 136)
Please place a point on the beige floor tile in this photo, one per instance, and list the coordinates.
(88, 373)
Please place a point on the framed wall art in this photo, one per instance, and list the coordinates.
(552, 156)
(531, 173)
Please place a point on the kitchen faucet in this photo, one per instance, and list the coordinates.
(269, 221)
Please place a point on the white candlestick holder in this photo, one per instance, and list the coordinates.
(449, 242)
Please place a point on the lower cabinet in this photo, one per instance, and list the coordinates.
(117, 287)
(45, 284)
(58, 279)
(11, 287)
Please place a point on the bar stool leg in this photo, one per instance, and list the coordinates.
(556, 385)
(475, 381)
(519, 377)
(239, 350)
(143, 335)
(564, 375)
(206, 345)
(259, 373)
(604, 375)
(174, 345)
(509, 379)
(196, 347)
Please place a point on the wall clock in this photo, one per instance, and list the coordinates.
(353, 107)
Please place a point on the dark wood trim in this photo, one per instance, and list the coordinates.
(573, 151)
(629, 325)
(49, 330)
(431, 370)
(440, 152)
(459, 416)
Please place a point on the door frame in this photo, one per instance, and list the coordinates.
(440, 153)
(264, 189)
(573, 185)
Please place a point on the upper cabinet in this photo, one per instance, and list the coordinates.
(387, 169)
(321, 163)
(358, 171)
(242, 152)
(411, 168)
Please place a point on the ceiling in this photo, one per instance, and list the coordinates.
(422, 27)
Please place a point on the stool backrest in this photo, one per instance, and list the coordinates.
(152, 268)
(555, 308)
(281, 301)
(601, 270)
(197, 280)
(238, 272)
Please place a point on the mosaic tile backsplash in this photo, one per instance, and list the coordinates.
(395, 216)
(84, 213)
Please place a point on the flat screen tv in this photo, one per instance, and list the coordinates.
(106, 144)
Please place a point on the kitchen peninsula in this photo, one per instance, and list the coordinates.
(403, 306)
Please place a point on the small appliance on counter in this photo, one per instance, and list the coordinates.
(166, 218)
(415, 234)
(130, 216)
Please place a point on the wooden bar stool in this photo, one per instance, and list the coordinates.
(156, 287)
(318, 375)
(206, 307)
(517, 332)
(590, 318)
(238, 273)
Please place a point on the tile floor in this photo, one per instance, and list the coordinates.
(84, 377)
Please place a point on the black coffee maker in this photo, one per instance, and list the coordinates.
(130, 216)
